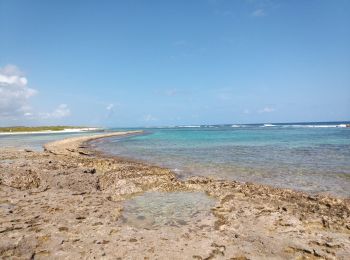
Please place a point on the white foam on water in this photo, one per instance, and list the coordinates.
(321, 126)
(268, 125)
(303, 126)
(189, 126)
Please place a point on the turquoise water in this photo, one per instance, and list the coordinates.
(309, 157)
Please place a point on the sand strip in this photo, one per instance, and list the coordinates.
(75, 145)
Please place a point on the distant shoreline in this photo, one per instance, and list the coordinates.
(48, 131)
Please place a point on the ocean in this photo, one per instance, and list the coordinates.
(310, 157)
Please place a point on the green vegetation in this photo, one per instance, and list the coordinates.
(35, 128)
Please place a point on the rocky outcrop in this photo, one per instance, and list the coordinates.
(22, 179)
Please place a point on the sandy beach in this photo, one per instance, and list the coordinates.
(67, 202)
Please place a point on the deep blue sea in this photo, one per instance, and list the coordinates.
(312, 157)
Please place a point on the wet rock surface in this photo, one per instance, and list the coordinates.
(67, 203)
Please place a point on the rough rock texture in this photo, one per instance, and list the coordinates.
(66, 203)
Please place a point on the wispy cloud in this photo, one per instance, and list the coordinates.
(172, 92)
(224, 94)
(259, 13)
(110, 110)
(259, 8)
(60, 112)
(149, 118)
(266, 110)
(184, 49)
(180, 43)
(110, 107)
(224, 13)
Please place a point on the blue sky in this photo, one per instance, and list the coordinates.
(142, 63)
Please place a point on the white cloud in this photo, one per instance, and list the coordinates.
(110, 107)
(15, 97)
(13, 80)
(14, 93)
(266, 110)
(110, 110)
(259, 13)
(246, 111)
(10, 74)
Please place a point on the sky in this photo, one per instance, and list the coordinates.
(161, 63)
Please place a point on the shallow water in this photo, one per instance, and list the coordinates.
(34, 141)
(157, 209)
(310, 158)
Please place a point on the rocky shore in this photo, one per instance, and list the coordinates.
(67, 202)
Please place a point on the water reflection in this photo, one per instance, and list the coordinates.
(156, 209)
